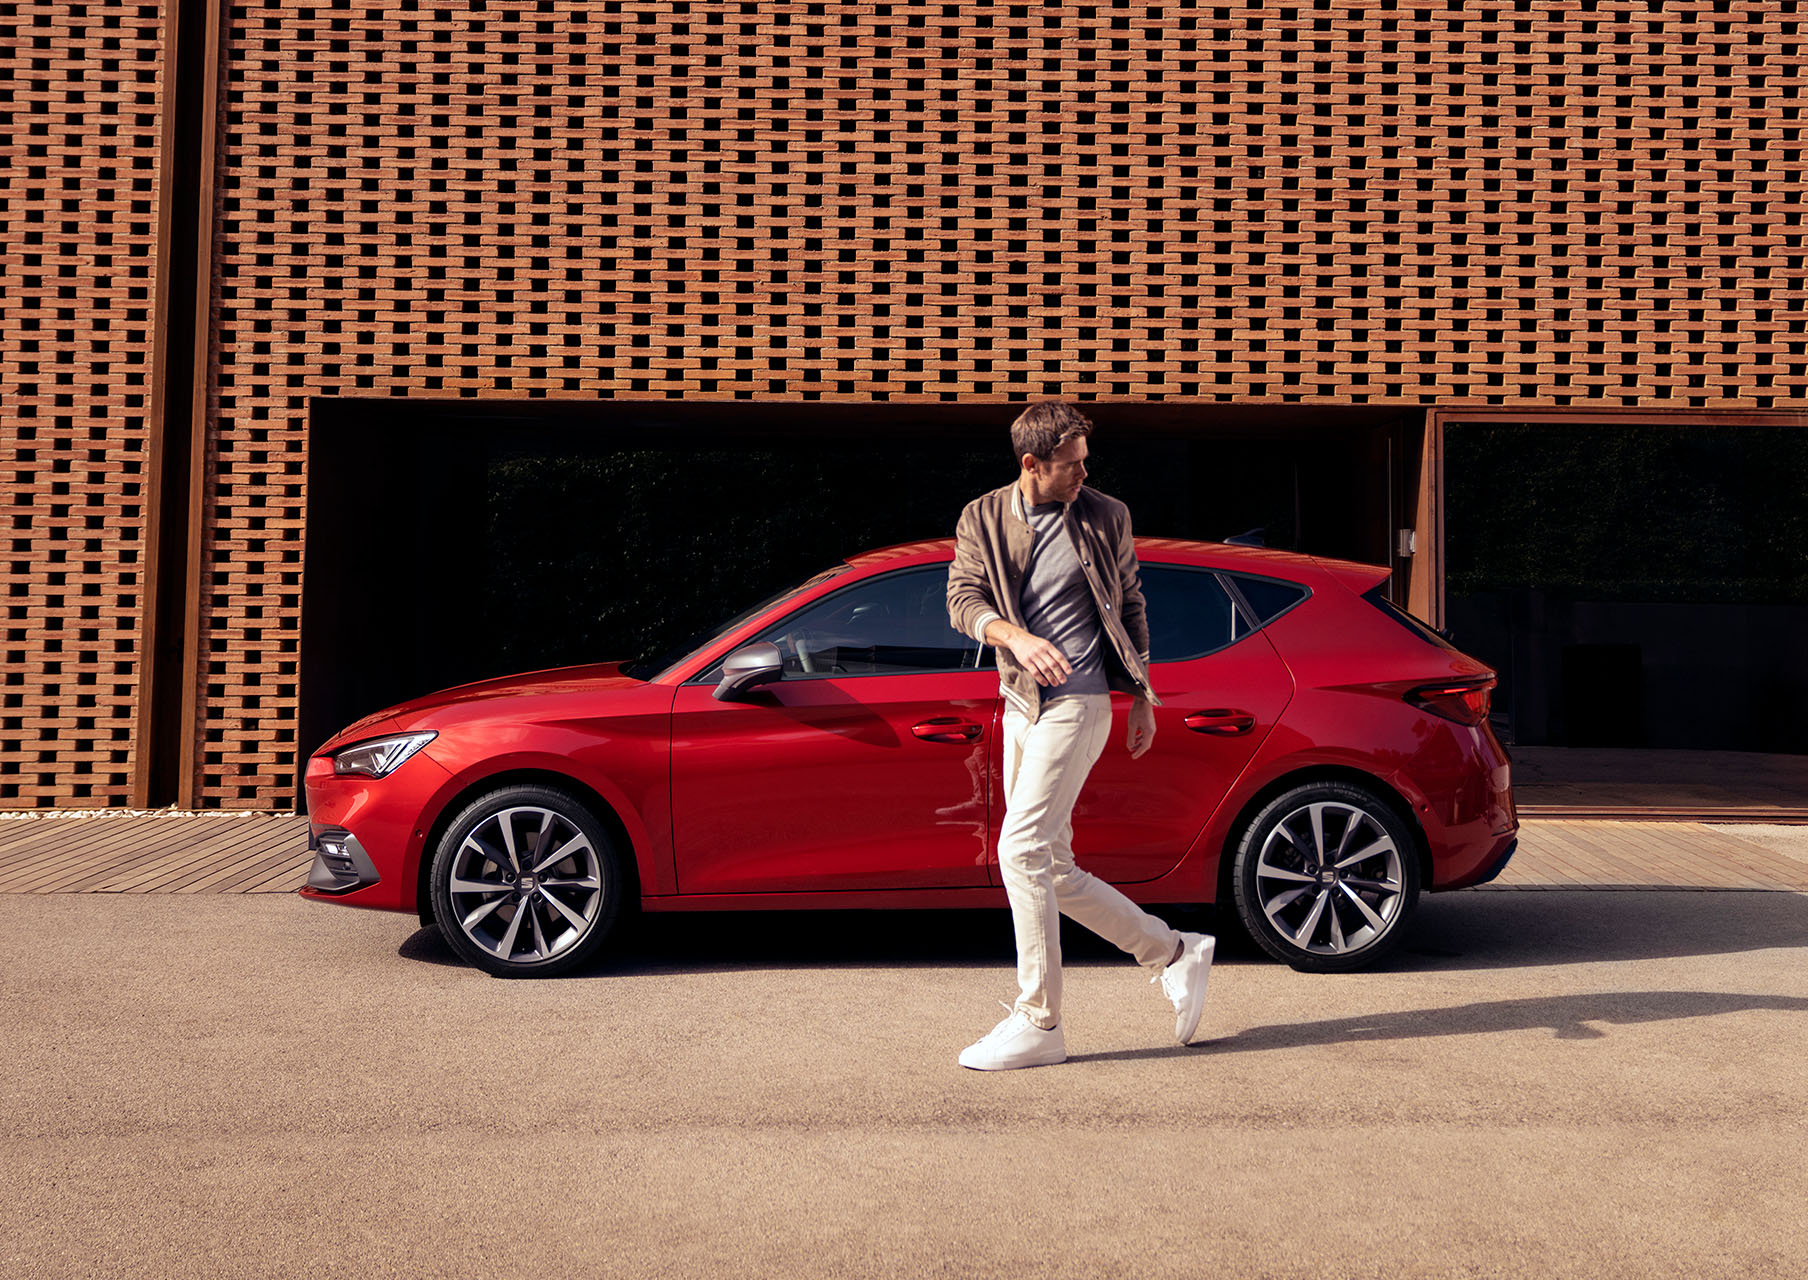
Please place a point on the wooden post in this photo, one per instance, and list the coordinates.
(1425, 583)
(166, 710)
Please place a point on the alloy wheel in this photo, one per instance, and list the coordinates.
(526, 885)
(1329, 878)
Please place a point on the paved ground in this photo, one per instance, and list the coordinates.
(1545, 1084)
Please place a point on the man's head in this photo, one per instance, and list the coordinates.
(1050, 440)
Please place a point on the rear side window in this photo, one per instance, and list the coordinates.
(1189, 613)
(1422, 629)
(1268, 598)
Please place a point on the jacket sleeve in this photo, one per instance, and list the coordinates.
(1129, 576)
(970, 602)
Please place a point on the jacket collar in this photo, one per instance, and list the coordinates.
(1021, 511)
(1019, 534)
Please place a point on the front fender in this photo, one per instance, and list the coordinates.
(631, 779)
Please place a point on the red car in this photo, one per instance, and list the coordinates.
(1320, 758)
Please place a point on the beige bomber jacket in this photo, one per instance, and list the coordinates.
(991, 554)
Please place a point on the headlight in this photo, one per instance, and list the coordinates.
(379, 757)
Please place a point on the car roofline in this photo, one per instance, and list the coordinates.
(1310, 571)
(1229, 556)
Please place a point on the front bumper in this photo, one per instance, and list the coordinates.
(367, 833)
(341, 864)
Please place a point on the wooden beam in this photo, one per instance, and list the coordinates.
(1425, 581)
(163, 713)
(200, 372)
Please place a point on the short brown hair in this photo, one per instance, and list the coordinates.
(1045, 426)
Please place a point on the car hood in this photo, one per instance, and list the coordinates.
(599, 677)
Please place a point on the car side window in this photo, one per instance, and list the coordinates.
(1189, 612)
(888, 625)
(1268, 598)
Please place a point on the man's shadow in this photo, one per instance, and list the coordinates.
(1573, 1017)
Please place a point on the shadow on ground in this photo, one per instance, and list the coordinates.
(1569, 1017)
(1458, 931)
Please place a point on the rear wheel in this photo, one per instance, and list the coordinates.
(1326, 877)
(526, 883)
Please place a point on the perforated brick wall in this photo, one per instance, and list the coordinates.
(1597, 205)
(79, 140)
(1398, 201)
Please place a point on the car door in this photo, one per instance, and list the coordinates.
(863, 768)
(1222, 688)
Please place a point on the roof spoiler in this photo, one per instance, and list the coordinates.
(1358, 577)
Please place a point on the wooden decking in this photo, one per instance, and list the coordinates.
(1606, 854)
(154, 853)
(220, 853)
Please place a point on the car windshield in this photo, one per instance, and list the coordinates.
(655, 665)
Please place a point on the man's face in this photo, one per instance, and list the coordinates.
(1061, 477)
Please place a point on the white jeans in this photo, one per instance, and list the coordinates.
(1045, 765)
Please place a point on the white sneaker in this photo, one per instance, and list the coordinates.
(1015, 1042)
(1183, 982)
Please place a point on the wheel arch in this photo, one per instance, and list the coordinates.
(1307, 774)
(604, 811)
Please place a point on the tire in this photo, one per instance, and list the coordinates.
(510, 912)
(1326, 877)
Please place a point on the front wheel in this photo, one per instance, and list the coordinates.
(1326, 877)
(526, 883)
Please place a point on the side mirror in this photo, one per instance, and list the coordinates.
(748, 666)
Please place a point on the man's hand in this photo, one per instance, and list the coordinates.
(1142, 728)
(1040, 658)
(1034, 654)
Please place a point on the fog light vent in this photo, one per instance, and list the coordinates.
(340, 863)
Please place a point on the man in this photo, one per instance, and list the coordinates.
(1046, 573)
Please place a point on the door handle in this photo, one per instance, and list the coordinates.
(948, 729)
(1220, 722)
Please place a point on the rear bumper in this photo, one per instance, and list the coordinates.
(1466, 810)
(1499, 865)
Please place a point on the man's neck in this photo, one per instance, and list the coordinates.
(1028, 492)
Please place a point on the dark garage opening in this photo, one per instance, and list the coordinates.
(1638, 584)
(452, 542)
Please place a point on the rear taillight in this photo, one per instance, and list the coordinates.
(1464, 701)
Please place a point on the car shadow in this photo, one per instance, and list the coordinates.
(1459, 931)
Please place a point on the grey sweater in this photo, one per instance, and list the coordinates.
(992, 546)
(1058, 606)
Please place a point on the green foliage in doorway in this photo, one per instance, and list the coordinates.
(1648, 512)
(622, 554)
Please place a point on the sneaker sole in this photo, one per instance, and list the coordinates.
(1046, 1061)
